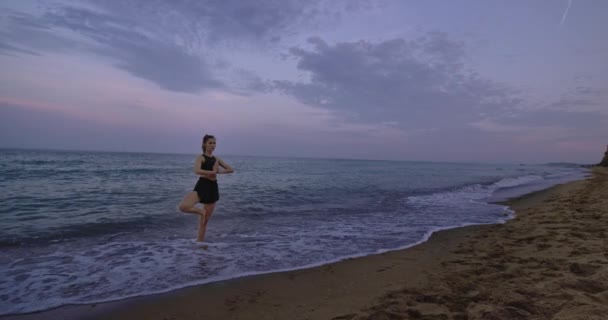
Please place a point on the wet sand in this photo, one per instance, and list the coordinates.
(550, 262)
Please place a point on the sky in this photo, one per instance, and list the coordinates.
(434, 80)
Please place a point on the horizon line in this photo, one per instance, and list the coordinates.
(286, 157)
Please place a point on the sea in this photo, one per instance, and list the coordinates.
(85, 227)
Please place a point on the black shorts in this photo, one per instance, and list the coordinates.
(207, 191)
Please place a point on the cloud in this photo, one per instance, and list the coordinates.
(250, 81)
(582, 99)
(145, 56)
(552, 124)
(233, 21)
(418, 83)
(81, 29)
(10, 50)
(591, 91)
(23, 33)
(168, 43)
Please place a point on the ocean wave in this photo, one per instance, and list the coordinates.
(103, 228)
(515, 182)
(480, 191)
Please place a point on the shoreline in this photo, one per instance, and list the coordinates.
(424, 239)
(350, 288)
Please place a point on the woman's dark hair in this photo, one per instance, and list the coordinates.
(205, 139)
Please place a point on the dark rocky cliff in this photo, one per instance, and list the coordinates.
(604, 162)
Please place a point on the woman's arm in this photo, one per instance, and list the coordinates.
(227, 167)
(200, 172)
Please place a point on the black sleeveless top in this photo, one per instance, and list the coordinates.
(207, 189)
(208, 164)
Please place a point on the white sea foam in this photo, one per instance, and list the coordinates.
(85, 273)
(474, 192)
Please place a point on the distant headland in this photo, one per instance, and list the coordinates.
(604, 162)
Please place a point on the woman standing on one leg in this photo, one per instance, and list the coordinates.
(206, 190)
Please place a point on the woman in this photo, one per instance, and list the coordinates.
(206, 191)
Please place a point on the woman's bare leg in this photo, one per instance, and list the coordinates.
(203, 220)
(188, 204)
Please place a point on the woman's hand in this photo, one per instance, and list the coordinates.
(216, 170)
(223, 167)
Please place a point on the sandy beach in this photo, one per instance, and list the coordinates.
(550, 262)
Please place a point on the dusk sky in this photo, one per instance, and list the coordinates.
(438, 80)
